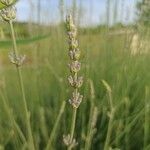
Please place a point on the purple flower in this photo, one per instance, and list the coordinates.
(75, 82)
(75, 66)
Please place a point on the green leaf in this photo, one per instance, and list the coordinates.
(4, 6)
(8, 43)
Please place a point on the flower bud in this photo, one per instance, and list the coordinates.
(73, 44)
(75, 82)
(74, 54)
(76, 99)
(74, 66)
(8, 13)
(17, 60)
(68, 141)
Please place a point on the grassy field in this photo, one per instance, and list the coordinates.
(116, 91)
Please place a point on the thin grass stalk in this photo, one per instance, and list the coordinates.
(120, 123)
(110, 114)
(109, 131)
(119, 130)
(92, 93)
(53, 133)
(132, 123)
(42, 123)
(92, 129)
(11, 118)
(147, 119)
(127, 134)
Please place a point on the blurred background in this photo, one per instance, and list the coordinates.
(87, 12)
(114, 40)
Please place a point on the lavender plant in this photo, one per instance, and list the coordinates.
(8, 14)
(74, 80)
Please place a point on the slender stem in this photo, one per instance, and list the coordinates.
(106, 146)
(55, 126)
(91, 128)
(118, 131)
(14, 123)
(73, 125)
(88, 137)
(111, 116)
(127, 121)
(27, 115)
(147, 119)
(13, 38)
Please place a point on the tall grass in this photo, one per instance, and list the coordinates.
(115, 111)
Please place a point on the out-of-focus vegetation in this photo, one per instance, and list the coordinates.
(115, 65)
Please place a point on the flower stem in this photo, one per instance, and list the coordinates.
(27, 115)
(73, 125)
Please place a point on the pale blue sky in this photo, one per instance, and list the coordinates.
(93, 12)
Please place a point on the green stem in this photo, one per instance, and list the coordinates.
(73, 123)
(27, 115)
(118, 131)
(111, 117)
(73, 126)
(127, 121)
(88, 137)
(147, 119)
(74, 115)
(106, 146)
(92, 128)
(55, 126)
(11, 118)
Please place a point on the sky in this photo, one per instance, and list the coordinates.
(93, 11)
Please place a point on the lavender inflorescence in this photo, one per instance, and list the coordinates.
(74, 66)
(6, 2)
(9, 13)
(17, 60)
(68, 141)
